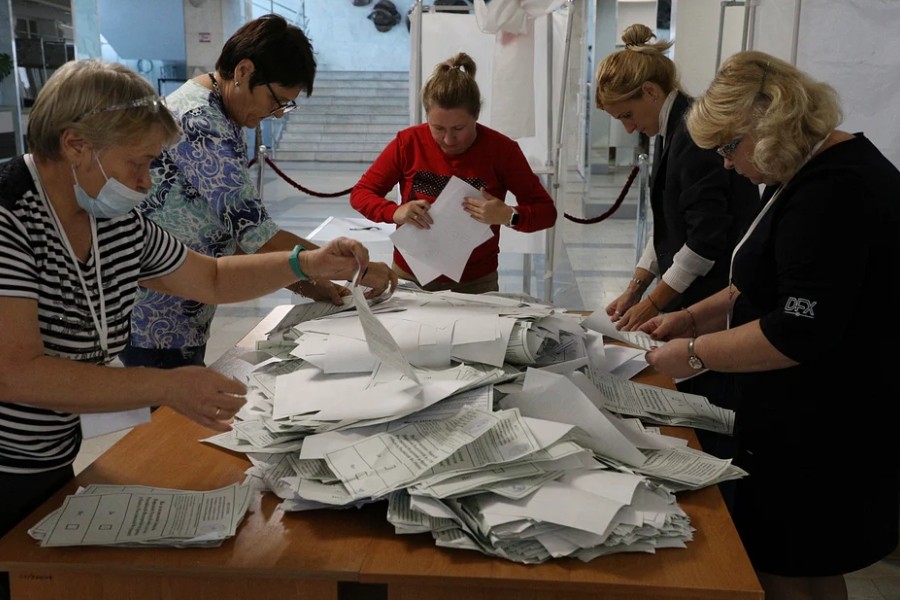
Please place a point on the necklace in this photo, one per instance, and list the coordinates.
(215, 85)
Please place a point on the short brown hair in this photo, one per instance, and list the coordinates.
(281, 53)
(452, 85)
(80, 87)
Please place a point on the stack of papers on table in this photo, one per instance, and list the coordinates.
(132, 515)
(476, 418)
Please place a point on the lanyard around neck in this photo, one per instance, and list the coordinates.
(753, 225)
(101, 324)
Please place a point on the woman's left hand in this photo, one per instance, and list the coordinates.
(671, 358)
(636, 316)
(487, 209)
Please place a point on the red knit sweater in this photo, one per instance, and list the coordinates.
(494, 162)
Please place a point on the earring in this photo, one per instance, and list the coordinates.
(237, 84)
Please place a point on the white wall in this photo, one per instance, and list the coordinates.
(851, 45)
(201, 23)
(696, 33)
(854, 47)
(344, 39)
(159, 23)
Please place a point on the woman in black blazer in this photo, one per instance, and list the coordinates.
(700, 209)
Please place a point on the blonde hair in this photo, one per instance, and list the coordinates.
(80, 87)
(785, 110)
(452, 85)
(622, 73)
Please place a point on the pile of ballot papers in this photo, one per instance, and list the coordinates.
(476, 418)
(133, 515)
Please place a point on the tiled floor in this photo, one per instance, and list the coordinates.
(592, 264)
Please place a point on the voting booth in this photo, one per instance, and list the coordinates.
(521, 77)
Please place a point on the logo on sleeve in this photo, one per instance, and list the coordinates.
(800, 307)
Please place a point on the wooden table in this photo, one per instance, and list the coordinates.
(344, 554)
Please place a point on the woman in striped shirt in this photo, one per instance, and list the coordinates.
(72, 254)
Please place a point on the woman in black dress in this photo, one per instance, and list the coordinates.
(822, 496)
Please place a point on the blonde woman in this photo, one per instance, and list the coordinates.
(699, 208)
(822, 496)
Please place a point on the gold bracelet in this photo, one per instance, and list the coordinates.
(640, 282)
(658, 309)
(693, 321)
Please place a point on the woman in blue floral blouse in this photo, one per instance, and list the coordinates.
(204, 193)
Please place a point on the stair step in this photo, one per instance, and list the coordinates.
(364, 158)
(361, 101)
(341, 87)
(330, 145)
(350, 118)
(362, 76)
(310, 137)
(332, 107)
(301, 129)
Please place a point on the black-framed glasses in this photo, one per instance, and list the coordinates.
(153, 103)
(726, 150)
(284, 107)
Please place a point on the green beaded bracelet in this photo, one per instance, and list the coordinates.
(294, 260)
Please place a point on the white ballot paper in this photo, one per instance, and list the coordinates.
(445, 247)
(380, 341)
(599, 321)
(110, 515)
(97, 424)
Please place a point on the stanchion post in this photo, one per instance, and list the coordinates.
(261, 154)
(640, 239)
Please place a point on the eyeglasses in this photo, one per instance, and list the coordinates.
(284, 107)
(726, 150)
(154, 103)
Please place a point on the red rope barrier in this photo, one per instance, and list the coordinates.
(297, 185)
(614, 207)
(607, 214)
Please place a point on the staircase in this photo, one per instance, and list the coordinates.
(350, 117)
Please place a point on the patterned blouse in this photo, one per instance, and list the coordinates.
(204, 194)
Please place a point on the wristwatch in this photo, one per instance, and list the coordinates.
(694, 360)
(513, 218)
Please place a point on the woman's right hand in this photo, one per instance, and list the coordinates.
(204, 396)
(618, 307)
(340, 258)
(414, 212)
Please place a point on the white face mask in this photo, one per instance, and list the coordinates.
(114, 199)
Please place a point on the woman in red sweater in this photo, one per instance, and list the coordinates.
(422, 159)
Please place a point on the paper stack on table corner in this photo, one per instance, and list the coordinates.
(132, 515)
